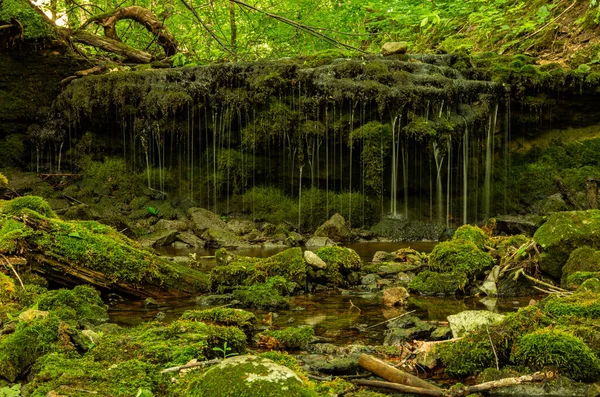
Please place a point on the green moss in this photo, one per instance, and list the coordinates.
(465, 357)
(34, 203)
(3, 181)
(460, 257)
(283, 358)
(8, 292)
(440, 284)
(288, 264)
(34, 25)
(560, 350)
(562, 234)
(175, 344)
(292, 338)
(576, 279)
(72, 374)
(340, 263)
(84, 300)
(266, 295)
(472, 234)
(583, 303)
(583, 259)
(231, 275)
(222, 316)
(31, 340)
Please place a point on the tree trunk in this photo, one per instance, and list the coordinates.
(111, 45)
(392, 374)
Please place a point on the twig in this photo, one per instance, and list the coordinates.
(398, 387)
(540, 282)
(205, 26)
(493, 347)
(391, 319)
(352, 305)
(73, 199)
(192, 365)
(549, 23)
(7, 26)
(14, 271)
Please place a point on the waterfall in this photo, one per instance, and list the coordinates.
(465, 198)
(489, 147)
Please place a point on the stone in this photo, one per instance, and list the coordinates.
(470, 320)
(441, 333)
(394, 47)
(382, 256)
(489, 285)
(393, 268)
(318, 242)
(241, 226)
(313, 260)
(518, 224)
(334, 366)
(94, 337)
(167, 224)
(211, 228)
(32, 314)
(179, 245)
(191, 239)
(159, 239)
(248, 376)
(369, 279)
(336, 229)
(395, 296)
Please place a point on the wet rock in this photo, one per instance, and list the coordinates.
(180, 245)
(167, 224)
(441, 333)
(395, 296)
(313, 260)
(78, 212)
(191, 239)
(211, 228)
(294, 239)
(241, 226)
(394, 47)
(159, 239)
(334, 366)
(489, 285)
(336, 229)
(403, 279)
(369, 279)
(517, 224)
(246, 376)
(318, 242)
(150, 302)
(471, 320)
(559, 387)
(395, 268)
(382, 256)
(214, 300)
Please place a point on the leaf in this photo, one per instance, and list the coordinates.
(424, 21)
(75, 235)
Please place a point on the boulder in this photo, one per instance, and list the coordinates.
(394, 47)
(336, 229)
(241, 226)
(318, 242)
(248, 376)
(313, 260)
(518, 224)
(382, 256)
(470, 320)
(167, 224)
(210, 227)
(395, 296)
(191, 239)
(159, 239)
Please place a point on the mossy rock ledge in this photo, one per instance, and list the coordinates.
(562, 234)
(87, 252)
(249, 376)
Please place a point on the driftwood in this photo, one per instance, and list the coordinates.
(456, 392)
(191, 365)
(392, 374)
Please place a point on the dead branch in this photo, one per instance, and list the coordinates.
(540, 282)
(205, 26)
(387, 372)
(391, 319)
(110, 45)
(13, 269)
(398, 387)
(191, 365)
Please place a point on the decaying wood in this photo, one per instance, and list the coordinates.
(391, 319)
(13, 269)
(190, 365)
(387, 372)
(552, 288)
(497, 384)
(111, 45)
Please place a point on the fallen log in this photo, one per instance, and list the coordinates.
(395, 375)
(401, 388)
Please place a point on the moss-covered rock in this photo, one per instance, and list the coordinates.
(583, 303)
(460, 257)
(34, 203)
(465, 357)
(291, 338)
(85, 301)
(438, 284)
(472, 234)
(560, 350)
(223, 316)
(562, 234)
(576, 279)
(249, 376)
(340, 263)
(583, 259)
(268, 295)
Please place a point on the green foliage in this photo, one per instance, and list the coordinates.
(292, 338)
(375, 138)
(560, 350)
(14, 391)
(111, 177)
(34, 26)
(34, 203)
(153, 211)
(224, 350)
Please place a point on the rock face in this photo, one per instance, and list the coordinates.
(336, 229)
(248, 376)
(313, 260)
(470, 320)
(394, 47)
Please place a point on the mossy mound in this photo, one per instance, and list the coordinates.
(76, 377)
(249, 376)
(288, 264)
(340, 263)
(576, 279)
(472, 234)
(231, 275)
(559, 350)
(175, 344)
(34, 203)
(87, 251)
(31, 340)
(291, 338)
(460, 257)
(222, 316)
(583, 259)
(466, 357)
(268, 295)
(583, 303)
(562, 234)
(439, 284)
(85, 302)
